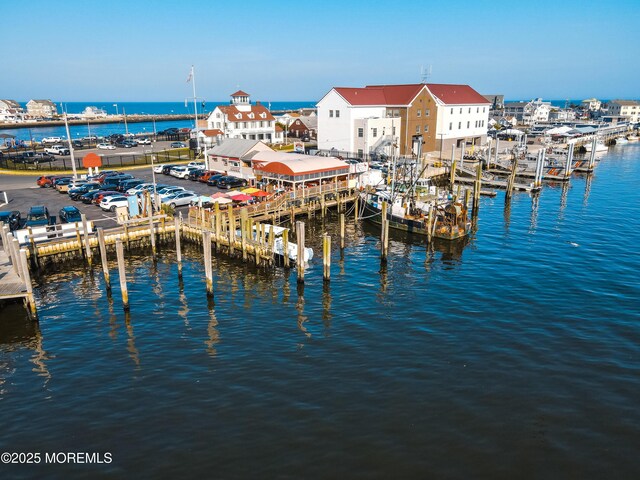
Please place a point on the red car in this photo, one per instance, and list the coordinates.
(46, 180)
(204, 178)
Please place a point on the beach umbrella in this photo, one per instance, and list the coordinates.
(219, 195)
(232, 193)
(222, 200)
(259, 193)
(250, 190)
(243, 197)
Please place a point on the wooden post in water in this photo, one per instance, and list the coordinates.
(232, 231)
(569, 165)
(126, 235)
(477, 186)
(122, 274)
(384, 234)
(243, 232)
(512, 178)
(592, 156)
(208, 268)
(430, 224)
(300, 256)
(176, 222)
(452, 180)
(78, 239)
(26, 278)
(14, 248)
(285, 248)
(85, 234)
(355, 208)
(323, 206)
(326, 257)
(272, 239)
(467, 195)
(342, 231)
(103, 259)
(152, 232)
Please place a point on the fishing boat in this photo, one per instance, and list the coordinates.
(410, 214)
(278, 243)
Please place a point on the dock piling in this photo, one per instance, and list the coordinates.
(26, 277)
(384, 234)
(85, 234)
(122, 274)
(103, 259)
(342, 231)
(208, 268)
(300, 255)
(176, 222)
(326, 257)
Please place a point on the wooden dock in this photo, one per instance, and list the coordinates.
(11, 285)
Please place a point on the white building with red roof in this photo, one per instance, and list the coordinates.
(389, 118)
(242, 119)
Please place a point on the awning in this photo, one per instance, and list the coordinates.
(222, 200)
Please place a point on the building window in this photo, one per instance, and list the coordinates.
(360, 153)
(460, 109)
(393, 130)
(426, 112)
(478, 110)
(483, 109)
(360, 132)
(459, 125)
(337, 113)
(330, 113)
(417, 129)
(452, 111)
(469, 109)
(374, 132)
(244, 125)
(426, 128)
(418, 113)
(469, 124)
(450, 125)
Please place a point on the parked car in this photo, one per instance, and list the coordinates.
(106, 174)
(232, 182)
(180, 199)
(166, 193)
(196, 164)
(61, 183)
(127, 144)
(127, 184)
(77, 144)
(178, 171)
(47, 140)
(115, 180)
(99, 196)
(143, 141)
(166, 170)
(105, 146)
(69, 214)
(34, 157)
(110, 203)
(213, 179)
(46, 180)
(11, 218)
(158, 168)
(177, 145)
(196, 173)
(57, 150)
(38, 216)
(74, 193)
(138, 188)
(184, 173)
(207, 174)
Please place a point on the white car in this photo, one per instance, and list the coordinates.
(166, 193)
(51, 140)
(158, 168)
(106, 146)
(143, 141)
(180, 199)
(196, 164)
(110, 203)
(57, 150)
(138, 188)
(177, 171)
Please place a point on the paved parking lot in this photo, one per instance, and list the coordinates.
(23, 193)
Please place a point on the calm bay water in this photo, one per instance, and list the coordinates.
(516, 356)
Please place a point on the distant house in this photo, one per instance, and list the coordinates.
(497, 101)
(561, 115)
(242, 119)
(41, 109)
(11, 111)
(630, 109)
(528, 113)
(304, 127)
(591, 104)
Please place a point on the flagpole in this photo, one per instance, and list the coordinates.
(195, 106)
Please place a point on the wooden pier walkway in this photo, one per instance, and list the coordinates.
(11, 285)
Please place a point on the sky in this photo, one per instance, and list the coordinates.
(116, 50)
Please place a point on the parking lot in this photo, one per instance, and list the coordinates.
(23, 193)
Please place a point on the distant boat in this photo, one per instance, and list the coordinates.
(633, 138)
(278, 244)
(621, 141)
(600, 147)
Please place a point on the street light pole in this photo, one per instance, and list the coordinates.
(73, 160)
(116, 105)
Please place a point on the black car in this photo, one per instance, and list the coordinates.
(196, 173)
(60, 181)
(75, 193)
(166, 169)
(213, 180)
(69, 214)
(11, 218)
(38, 216)
(115, 180)
(127, 184)
(77, 144)
(232, 182)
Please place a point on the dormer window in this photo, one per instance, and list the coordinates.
(263, 115)
(251, 115)
(238, 116)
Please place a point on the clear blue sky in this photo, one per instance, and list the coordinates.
(86, 50)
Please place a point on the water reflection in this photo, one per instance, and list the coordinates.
(563, 198)
(533, 217)
(131, 341)
(213, 334)
(302, 318)
(587, 189)
(326, 307)
(506, 214)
